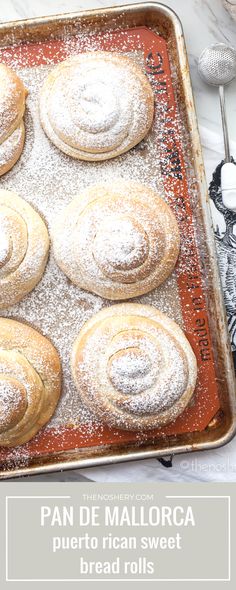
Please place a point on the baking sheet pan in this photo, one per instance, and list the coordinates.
(170, 161)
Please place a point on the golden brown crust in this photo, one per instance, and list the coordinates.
(118, 241)
(133, 367)
(96, 105)
(11, 149)
(30, 382)
(12, 107)
(24, 248)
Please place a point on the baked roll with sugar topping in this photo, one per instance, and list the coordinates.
(30, 382)
(12, 108)
(118, 241)
(24, 246)
(133, 367)
(95, 106)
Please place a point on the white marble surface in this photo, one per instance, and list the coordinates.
(204, 22)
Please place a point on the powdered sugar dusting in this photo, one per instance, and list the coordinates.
(120, 245)
(12, 104)
(49, 180)
(86, 115)
(24, 248)
(56, 306)
(134, 365)
(127, 372)
(117, 240)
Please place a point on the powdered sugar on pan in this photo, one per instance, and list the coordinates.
(49, 180)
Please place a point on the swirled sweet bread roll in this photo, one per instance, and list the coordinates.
(96, 105)
(118, 241)
(133, 367)
(24, 246)
(12, 108)
(30, 382)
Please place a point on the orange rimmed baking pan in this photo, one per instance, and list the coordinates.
(169, 160)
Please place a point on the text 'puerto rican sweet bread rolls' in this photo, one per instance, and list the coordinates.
(118, 241)
(133, 367)
(24, 246)
(97, 105)
(30, 382)
(12, 108)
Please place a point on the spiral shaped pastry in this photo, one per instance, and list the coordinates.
(24, 245)
(96, 105)
(12, 107)
(30, 382)
(134, 367)
(118, 241)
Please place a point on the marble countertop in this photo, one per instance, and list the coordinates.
(204, 22)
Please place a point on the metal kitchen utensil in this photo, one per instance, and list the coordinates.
(217, 66)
